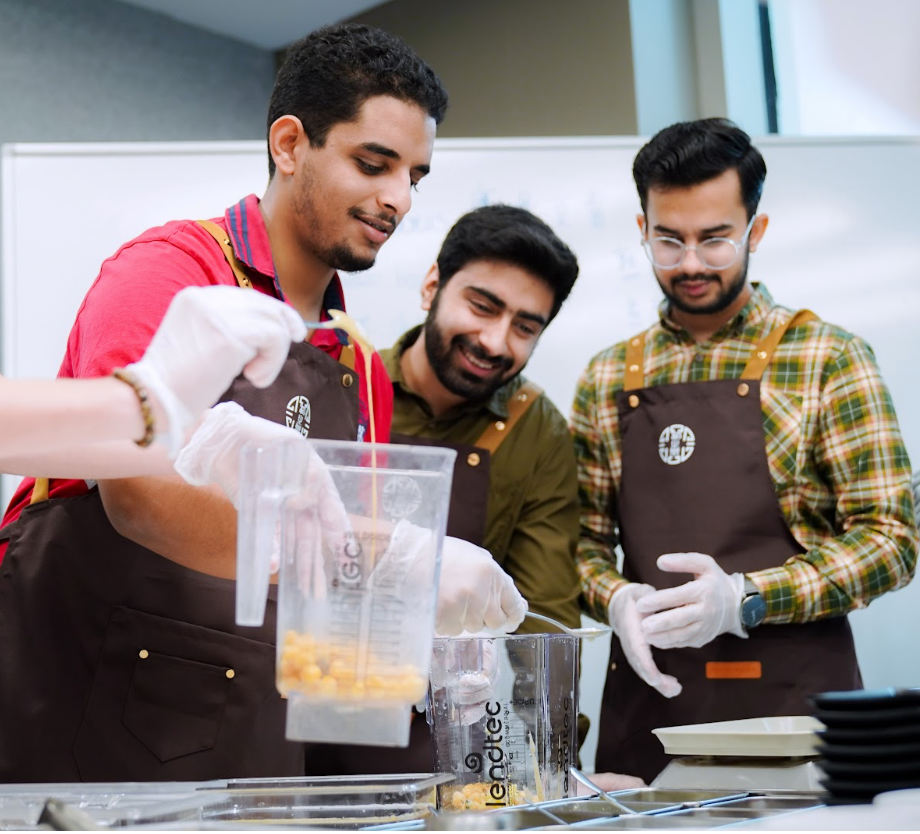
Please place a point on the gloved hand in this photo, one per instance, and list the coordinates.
(696, 612)
(626, 622)
(209, 335)
(474, 592)
(467, 666)
(212, 454)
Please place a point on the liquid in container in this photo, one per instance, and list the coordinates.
(355, 531)
(503, 712)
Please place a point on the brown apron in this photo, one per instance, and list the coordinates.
(121, 665)
(705, 486)
(469, 500)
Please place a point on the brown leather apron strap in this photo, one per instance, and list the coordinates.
(634, 375)
(39, 491)
(347, 357)
(496, 432)
(763, 353)
(221, 237)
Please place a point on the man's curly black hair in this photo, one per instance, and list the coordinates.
(327, 76)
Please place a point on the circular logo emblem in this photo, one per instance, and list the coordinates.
(297, 414)
(401, 497)
(676, 444)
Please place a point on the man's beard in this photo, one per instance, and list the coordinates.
(338, 256)
(723, 300)
(439, 352)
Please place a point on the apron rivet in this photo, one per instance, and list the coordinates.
(522, 398)
(230, 674)
(635, 343)
(499, 425)
(143, 654)
(761, 354)
(613, 667)
(633, 400)
(473, 459)
(743, 389)
(633, 368)
(347, 380)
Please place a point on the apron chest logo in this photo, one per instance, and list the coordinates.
(402, 496)
(676, 443)
(297, 414)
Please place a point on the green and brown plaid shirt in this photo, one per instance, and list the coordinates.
(839, 465)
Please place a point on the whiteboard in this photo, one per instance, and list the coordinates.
(843, 240)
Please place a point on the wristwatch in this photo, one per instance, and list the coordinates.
(753, 607)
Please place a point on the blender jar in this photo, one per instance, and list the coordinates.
(355, 532)
(503, 713)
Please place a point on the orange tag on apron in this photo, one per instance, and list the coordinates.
(742, 669)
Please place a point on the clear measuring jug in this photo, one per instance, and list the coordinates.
(355, 530)
(503, 714)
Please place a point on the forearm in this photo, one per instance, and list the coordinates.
(852, 506)
(541, 551)
(596, 456)
(74, 428)
(193, 526)
(844, 574)
(600, 579)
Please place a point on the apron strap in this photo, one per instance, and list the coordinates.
(496, 432)
(764, 351)
(221, 237)
(39, 491)
(634, 376)
(347, 357)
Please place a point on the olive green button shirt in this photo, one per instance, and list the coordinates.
(532, 518)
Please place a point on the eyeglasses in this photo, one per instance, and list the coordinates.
(713, 253)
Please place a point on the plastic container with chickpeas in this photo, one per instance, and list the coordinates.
(356, 530)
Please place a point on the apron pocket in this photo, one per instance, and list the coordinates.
(175, 706)
(171, 700)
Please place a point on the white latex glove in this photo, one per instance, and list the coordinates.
(212, 454)
(474, 592)
(627, 625)
(469, 671)
(696, 612)
(207, 337)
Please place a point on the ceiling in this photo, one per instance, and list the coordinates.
(269, 24)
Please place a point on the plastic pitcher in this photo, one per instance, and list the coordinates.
(503, 712)
(357, 529)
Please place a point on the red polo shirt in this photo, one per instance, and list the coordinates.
(128, 300)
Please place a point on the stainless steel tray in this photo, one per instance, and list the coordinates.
(329, 802)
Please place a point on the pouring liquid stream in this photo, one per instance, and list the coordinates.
(340, 320)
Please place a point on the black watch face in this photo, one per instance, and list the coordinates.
(753, 610)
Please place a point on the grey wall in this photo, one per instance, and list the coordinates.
(523, 67)
(95, 70)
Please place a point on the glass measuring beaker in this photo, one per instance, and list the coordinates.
(356, 530)
(503, 713)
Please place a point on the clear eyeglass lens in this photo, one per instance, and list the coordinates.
(716, 253)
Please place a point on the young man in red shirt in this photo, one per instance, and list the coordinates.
(148, 563)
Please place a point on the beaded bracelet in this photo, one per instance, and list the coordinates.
(146, 411)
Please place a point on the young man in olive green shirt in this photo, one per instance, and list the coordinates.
(500, 277)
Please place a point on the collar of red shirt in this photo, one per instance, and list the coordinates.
(249, 239)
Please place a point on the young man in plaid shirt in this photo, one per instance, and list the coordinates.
(747, 459)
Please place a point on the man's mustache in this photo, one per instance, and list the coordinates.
(683, 278)
(502, 362)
